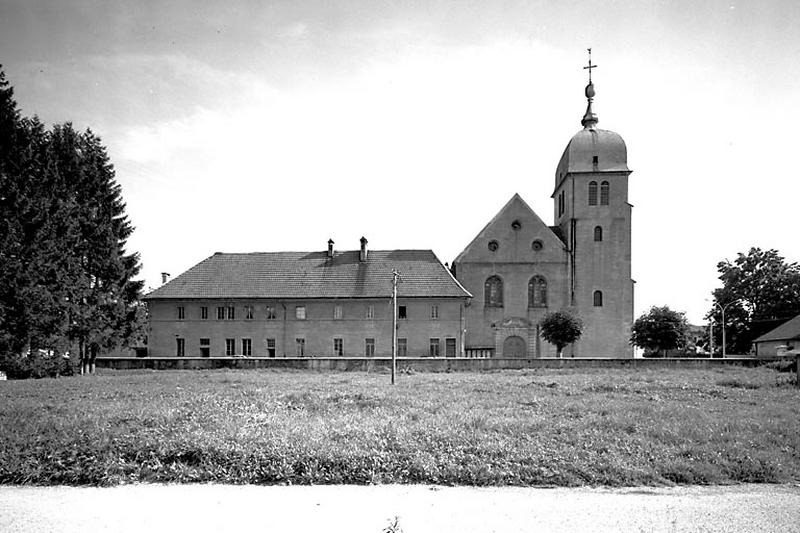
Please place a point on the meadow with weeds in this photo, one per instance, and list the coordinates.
(567, 427)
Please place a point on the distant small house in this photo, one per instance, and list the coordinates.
(785, 337)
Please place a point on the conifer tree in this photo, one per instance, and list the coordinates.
(65, 276)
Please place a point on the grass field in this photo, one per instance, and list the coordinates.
(545, 427)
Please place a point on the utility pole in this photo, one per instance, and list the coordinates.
(395, 278)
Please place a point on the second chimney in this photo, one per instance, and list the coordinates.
(330, 247)
(164, 277)
(363, 255)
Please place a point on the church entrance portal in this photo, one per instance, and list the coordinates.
(514, 347)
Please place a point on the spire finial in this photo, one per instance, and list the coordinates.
(589, 118)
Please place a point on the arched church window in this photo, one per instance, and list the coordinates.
(598, 234)
(604, 193)
(537, 292)
(493, 292)
(592, 193)
(598, 298)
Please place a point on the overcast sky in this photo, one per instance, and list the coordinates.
(267, 126)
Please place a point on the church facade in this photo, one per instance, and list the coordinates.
(518, 268)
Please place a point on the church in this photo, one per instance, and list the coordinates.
(518, 268)
(489, 303)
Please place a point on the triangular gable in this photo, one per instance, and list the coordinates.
(499, 228)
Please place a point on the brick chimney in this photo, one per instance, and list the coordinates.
(164, 277)
(330, 247)
(363, 255)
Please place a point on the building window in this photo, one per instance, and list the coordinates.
(247, 347)
(370, 312)
(300, 344)
(434, 351)
(434, 311)
(220, 313)
(402, 347)
(270, 313)
(598, 234)
(516, 225)
(604, 193)
(598, 298)
(401, 312)
(248, 312)
(369, 347)
(270, 347)
(230, 347)
(181, 312)
(231, 312)
(338, 347)
(595, 160)
(537, 245)
(537, 292)
(592, 193)
(180, 347)
(205, 347)
(493, 245)
(337, 312)
(300, 312)
(204, 313)
(561, 203)
(493, 292)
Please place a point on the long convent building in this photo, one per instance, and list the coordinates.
(488, 304)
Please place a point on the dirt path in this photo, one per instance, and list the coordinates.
(418, 508)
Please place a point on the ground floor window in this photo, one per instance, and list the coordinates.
(338, 347)
(180, 347)
(230, 347)
(205, 347)
(270, 347)
(402, 347)
(247, 347)
(301, 347)
(434, 352)
(369, 347)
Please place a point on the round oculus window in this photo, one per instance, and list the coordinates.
(493, 246)
(537, 245)
(516, 225)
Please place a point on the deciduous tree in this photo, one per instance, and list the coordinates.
(760, 290)
(659, 330)
(561, 328)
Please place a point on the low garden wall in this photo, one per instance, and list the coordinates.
(424, 364)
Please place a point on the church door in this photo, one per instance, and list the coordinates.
(514, 347)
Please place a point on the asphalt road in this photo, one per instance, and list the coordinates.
(418, 508)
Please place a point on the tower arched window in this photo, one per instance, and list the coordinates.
(598, 298)
(598, 233)
(604, 193)
(592, 193)
(493, 292)
(537, 292)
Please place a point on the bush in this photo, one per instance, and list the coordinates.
(36, 366)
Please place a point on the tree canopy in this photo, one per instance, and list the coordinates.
(66, 280)
(659, 330)
(760, 290)
(561, 328)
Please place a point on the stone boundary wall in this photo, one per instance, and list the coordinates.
(420, 364)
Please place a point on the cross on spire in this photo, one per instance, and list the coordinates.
(590, 67)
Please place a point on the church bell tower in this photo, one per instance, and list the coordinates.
(594, 217)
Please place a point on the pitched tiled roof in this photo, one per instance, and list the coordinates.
(789, 330)
(314, 275)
